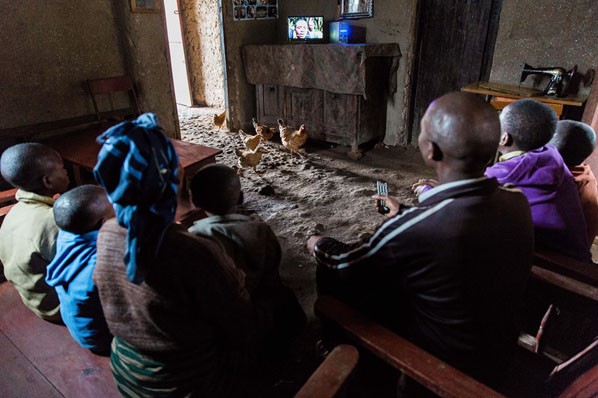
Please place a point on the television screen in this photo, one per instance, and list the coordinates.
(306, 28)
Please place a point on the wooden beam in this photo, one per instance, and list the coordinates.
(434, 374)
(332, 374)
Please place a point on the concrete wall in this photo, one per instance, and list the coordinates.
(555, 33)
(48, 50)
(203, 48)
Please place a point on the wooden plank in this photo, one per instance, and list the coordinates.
(501, 102)
(8, 195)
(434, 374)
(509, 89)
(71, 369)
(562, 264)
(585, 386)
(19, 377)
(566, 283)
(516, 92)
(332, 374)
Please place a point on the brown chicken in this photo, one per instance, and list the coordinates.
(262, 130)
(219, 120)
(250, 141)
(292, 139)
(249, 157)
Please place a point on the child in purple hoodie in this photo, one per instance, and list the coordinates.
(540, 172)
(79, 213)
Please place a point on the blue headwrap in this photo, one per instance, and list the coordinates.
(137, 166)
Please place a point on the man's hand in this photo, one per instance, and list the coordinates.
(392, 204)
(423, 185)
(311, 243)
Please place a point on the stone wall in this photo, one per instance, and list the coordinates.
(392, 22)
(49, 50)
(46, 54)
(241, 95)
(201, 32)
(556, 33)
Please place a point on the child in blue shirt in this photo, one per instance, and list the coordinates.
(79, 214)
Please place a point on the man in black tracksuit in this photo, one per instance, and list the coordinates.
(449, 273)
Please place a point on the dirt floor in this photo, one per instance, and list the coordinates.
(325, 192)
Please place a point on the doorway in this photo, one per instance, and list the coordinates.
(454, 47)
(178, 63)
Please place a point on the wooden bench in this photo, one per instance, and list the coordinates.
(41, 359)
(571, 287)
(332, 374)
(434, 374)
(566, 266)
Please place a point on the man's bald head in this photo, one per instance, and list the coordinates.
(465, 130)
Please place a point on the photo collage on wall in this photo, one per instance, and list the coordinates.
(249, 10)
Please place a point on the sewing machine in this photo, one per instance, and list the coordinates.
(559, 77)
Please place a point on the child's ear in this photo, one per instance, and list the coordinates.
(505, 139)
(47, 182)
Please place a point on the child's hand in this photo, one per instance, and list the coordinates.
(391, 203)
(423, 185)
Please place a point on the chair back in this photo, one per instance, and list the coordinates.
(111, 87)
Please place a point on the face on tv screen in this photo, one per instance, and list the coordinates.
(306, 28)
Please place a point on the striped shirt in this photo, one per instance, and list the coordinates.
(458, 261)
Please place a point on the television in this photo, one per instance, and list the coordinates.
(306, 28)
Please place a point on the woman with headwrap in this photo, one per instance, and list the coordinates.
(181, 319)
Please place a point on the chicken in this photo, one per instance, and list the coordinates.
(262, 130)
(292, 139)
(219, 120)
(250, 141)
(249, 157)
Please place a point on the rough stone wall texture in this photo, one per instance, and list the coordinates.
(241, 95)
(555, 33)
(46, 54)
(393, 22)
(144, 44)
(201, 33)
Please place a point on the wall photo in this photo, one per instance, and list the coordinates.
(250, 10)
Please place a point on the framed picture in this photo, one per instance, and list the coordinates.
(353, 9)
(250, 10)
(145, 5)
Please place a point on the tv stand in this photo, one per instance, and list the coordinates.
(338, 91)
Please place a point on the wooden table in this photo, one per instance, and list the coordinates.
(81, 150)
(500, 95)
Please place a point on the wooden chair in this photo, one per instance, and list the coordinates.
(332, 374)
(110, 87)
(434, 374)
